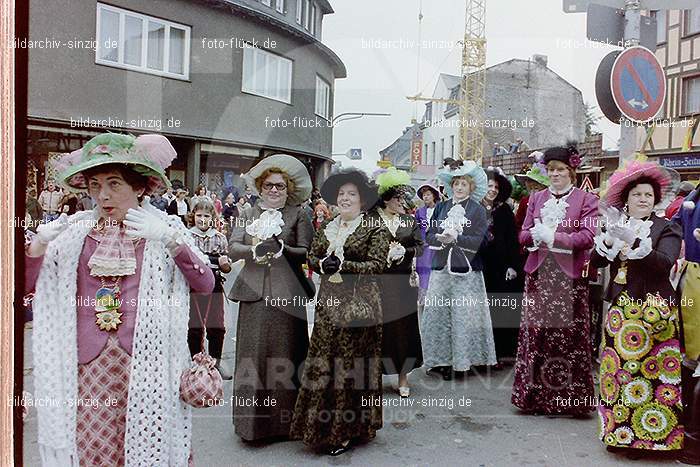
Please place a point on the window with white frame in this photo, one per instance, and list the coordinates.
(442, 148)
(300, 11)
(323, 98)
(452, 146)
(692, 21)
(267, 74)
(279, 5)
(130, 40)
(660, 16)
(312, 28)
(691, 95)
(307, 16)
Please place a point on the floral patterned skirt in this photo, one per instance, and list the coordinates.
(341, 391)
(640, 375)
(553, 366)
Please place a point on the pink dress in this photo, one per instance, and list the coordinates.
(104, 358)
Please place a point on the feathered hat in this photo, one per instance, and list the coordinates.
(667, 181)
(148, 155)
(470, 169)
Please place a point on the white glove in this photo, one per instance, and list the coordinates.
(696, 234)
(142, 223)
(542, 234)
(45, 233)
(511, 274)
(612, 216)
(448, 236)
(396, 252)
(625, 234)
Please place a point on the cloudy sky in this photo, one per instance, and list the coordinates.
(378, 40)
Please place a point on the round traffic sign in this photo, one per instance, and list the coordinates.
(603, 93)
(638, 84)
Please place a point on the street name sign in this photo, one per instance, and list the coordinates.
(606, 24)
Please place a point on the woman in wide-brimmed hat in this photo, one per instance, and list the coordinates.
(457, 334)
(534, 180)
(111, 311)
(501, 263)
(554, 350)
(430, 196)
(273, 238)
(640, 371)
(401, 345)
(343, 368)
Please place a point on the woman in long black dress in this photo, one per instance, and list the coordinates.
(500, 253)
(340, 398)
(272, 332)
(401, 345)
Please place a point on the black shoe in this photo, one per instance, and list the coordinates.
(688, 459)
(447, 373)
(338, 450)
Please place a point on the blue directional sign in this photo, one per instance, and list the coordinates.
(638, 84)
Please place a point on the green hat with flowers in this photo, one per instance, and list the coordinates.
(537, 173)
(148, 155)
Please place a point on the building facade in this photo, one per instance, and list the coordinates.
(227, 81)
(673, 138)
(524, 99)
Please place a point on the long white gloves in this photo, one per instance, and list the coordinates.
(143, 223)
(542, 234)
(625, 234)
(45, 233)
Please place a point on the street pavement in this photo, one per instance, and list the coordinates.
(466, 422)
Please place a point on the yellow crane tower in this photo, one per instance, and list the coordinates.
(471, 101)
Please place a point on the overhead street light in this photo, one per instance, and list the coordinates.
(355, 115)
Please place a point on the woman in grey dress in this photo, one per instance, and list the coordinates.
(273, 238)
(456, 323)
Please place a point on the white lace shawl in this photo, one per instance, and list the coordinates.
(337, 235)
(553, 212)
(642, 230)
(158, 424)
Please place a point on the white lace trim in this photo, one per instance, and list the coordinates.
(554, 211)
(455, 220)
(337, 232)
(642, 230)
(268, 224)
(392, 222)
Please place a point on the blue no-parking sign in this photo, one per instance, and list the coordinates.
(638, 84)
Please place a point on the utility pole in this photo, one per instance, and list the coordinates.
(628, 128)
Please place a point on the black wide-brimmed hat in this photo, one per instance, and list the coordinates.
(505, 189)
(367, 189)
(568, 155)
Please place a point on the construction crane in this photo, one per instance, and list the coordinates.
(471, 101)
